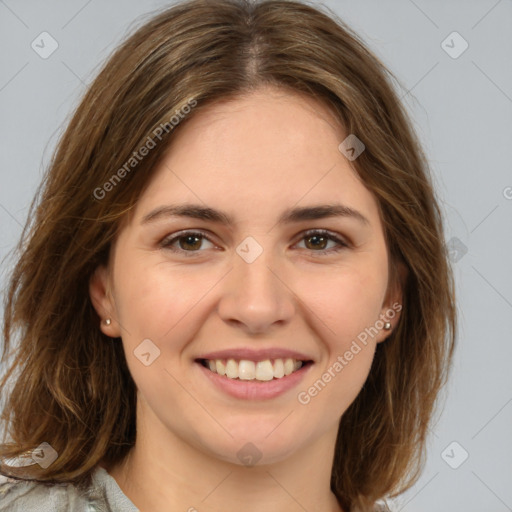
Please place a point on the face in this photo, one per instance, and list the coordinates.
(261, 296)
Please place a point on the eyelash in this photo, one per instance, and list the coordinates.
(167, 242)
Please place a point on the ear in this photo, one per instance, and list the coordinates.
(393, 303)
(103, 302)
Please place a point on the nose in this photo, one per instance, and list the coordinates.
(257, 296)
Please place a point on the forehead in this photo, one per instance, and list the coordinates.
(272, 148)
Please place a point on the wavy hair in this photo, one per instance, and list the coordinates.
(207, 51)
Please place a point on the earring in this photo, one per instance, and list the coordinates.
(108, 321)
(387, 326)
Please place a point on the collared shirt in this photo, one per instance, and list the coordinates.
(104, 495)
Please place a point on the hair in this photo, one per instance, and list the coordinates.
(206, 51)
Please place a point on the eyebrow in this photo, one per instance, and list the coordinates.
(289, 216)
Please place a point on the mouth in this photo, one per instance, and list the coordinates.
(250, 370)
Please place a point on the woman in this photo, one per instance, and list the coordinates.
(235, 289)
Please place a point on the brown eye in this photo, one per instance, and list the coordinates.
(319, 240)
(188, 242)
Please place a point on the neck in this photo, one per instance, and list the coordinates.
(162, 472)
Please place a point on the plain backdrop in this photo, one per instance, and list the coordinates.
(453, 60)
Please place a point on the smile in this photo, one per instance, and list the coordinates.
(248, 370)
(253, 379)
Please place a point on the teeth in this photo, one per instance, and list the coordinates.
(246, 370)
(289, 366)
(232, 369)
(221, 367)
(278, 368)
(264, 370)
(251, 370)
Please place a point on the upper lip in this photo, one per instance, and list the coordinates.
(256, 355)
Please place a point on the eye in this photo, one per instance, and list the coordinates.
(189, 242)
(186, 240)
(320, 237)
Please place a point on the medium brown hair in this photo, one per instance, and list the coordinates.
(71, 386)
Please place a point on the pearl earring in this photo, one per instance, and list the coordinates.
(108, 321)
(387, 326)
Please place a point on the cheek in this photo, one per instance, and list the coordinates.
(332, 392)
(153, 301)
(345, 301)
(157, 303)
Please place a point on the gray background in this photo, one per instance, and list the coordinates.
(462, 110)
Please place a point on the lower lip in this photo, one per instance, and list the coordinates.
(252, 389)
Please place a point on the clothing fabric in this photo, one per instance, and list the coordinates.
(104, 495)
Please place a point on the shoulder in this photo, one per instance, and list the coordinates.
(26, 496)
(382, 506)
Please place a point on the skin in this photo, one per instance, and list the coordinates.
(274, 148)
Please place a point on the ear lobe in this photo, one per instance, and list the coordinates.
(102, 301)
(393, 304)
